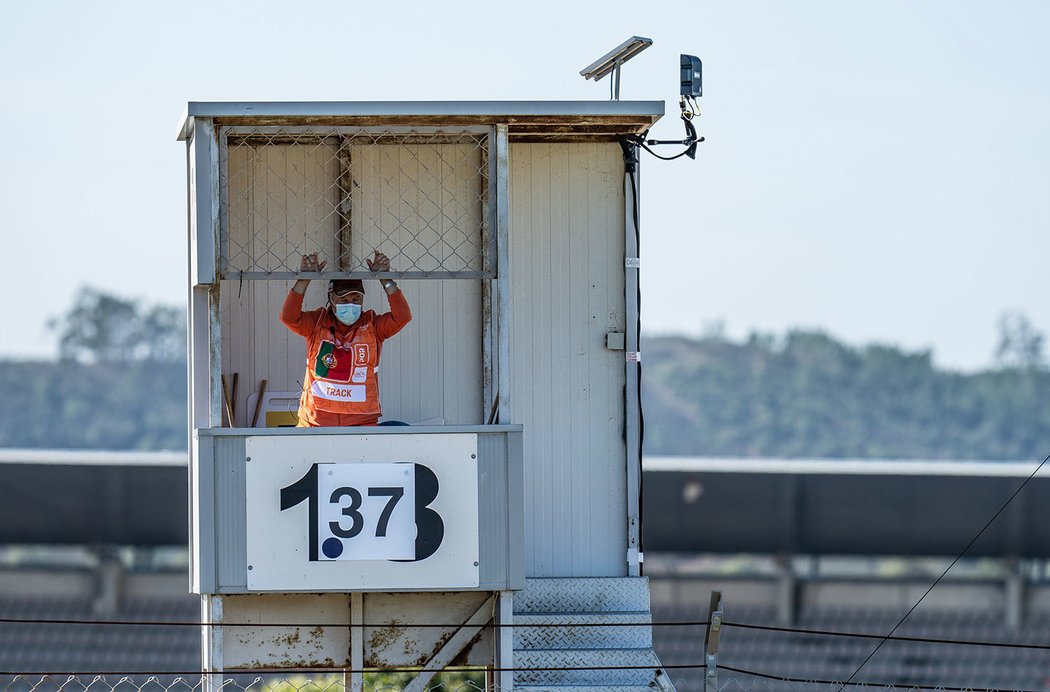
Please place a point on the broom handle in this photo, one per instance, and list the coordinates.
(258, 402)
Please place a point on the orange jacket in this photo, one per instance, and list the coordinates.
(340, 386)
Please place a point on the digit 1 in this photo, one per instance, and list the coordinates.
(304, 489)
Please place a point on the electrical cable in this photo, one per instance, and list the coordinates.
(897, 638)
(868, 683)
(395, 669)
(947, 569)
(679, 623)
(313, 625)
(679, 155)
(636, 213)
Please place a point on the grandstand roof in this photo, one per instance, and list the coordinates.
(844, 507)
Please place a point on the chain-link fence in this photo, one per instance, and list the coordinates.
(935, 653)
(419, 196)
(397, 682)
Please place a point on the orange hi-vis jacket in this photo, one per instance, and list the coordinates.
(341, 387)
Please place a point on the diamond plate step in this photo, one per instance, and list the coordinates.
(586, 688)
(583, 595)
(606, 631)
(590, 667)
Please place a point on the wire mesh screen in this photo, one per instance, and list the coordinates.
(420, 197)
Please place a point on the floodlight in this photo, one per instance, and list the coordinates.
(611, 62)
(692, 76)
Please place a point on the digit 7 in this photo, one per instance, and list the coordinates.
(395, 494)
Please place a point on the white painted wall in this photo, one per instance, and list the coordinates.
(567, 258)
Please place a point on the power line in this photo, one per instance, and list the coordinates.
(896, 638)
(393, 625)
(334, 669)
(947, 569)
(866, 683)
(535, 625)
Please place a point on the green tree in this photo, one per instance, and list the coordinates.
(1020, 344)
(104, 328)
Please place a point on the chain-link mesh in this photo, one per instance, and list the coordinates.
(396, 682)
(292, 682)
(420, 197)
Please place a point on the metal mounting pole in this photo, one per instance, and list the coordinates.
(632, 388)
(714, 632)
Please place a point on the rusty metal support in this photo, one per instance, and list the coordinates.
(499, 187)
(714, 633)
(354, 682)
(212, 642)
(463, 636)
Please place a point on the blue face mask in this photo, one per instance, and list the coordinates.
(347, 313)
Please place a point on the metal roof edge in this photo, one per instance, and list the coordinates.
(93, 457)
(185, 125)
(218, 109)
(840, 467)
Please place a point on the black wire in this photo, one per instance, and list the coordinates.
(867, 683)
(638, 338)
(643, 145)
(679, 623)
(938, 580)
(392, 625)
(395, 669)
(866, 635)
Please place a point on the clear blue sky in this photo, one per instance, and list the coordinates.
(879, 170)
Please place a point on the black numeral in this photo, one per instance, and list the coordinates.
(395, 494)
(351, 511)
(430, 529)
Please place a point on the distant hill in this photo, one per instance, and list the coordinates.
(118, 405)
(809, 395)
(806, 395)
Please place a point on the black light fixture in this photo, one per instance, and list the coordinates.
(692, 76)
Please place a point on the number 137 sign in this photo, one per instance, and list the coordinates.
(369, 511)
(343, 525)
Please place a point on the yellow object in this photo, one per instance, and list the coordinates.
(281, 419)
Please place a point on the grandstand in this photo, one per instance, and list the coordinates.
(813, 547)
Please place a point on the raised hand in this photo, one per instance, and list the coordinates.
(310, 263)
(379, 263)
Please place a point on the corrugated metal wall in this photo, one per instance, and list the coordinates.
(567, 269)
(430, 370)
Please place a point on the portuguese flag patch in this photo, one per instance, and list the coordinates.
(333, 363)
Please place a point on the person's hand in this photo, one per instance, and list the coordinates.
(379, 263)
(309, 263)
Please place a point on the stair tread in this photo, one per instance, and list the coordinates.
(585, 688)
(597, 652)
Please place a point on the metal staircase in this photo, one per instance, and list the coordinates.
(607, 625)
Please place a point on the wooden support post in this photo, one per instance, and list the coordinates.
(346, 190)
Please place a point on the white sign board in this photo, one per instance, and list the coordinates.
(362, 512)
